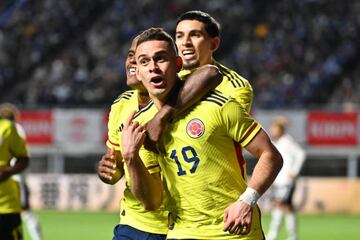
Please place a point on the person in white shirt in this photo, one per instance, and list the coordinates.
(284, 184)
(10, 112)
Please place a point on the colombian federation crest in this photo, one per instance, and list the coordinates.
(195, 128)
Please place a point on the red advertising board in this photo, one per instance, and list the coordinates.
(331, 128)
(38, 126)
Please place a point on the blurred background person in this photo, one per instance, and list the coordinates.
(284, 184)
(11, 146)
(10, 112)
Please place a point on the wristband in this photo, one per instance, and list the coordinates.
(250, 196)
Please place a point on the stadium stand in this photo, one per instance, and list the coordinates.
(70, 53)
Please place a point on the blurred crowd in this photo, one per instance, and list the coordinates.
(71, 53)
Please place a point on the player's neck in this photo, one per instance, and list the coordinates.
(171, 97)
(143, 99)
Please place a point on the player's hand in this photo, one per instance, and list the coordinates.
(238, 218)
(107, 168)
(132, 137)
(154, 131)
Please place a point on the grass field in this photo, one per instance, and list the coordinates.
(98, 226)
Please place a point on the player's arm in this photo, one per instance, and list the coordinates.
(196, 86)
(238, 216)
(268, 165)
(145, 186)
(111, 167)
(20, 165)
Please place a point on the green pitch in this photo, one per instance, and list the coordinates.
(95, 226)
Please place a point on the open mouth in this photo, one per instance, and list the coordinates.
(132, 71)
(157, 81)
(188, 53)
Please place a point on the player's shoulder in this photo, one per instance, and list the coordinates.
(6, 124)
(124, 100)
(232, 77)
(125, 97)
(146, 112)
(287, 139)
(217, 98)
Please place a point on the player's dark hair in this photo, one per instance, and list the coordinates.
(212, 26)
(157, 34)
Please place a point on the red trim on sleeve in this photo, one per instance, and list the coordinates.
(240, 158)
(152, 166)
(249, 132)
(116, 145)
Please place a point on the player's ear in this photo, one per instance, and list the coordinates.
(179, 63)
(215, 43)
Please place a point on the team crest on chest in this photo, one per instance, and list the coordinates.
(195, 128)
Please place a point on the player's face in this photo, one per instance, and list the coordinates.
(195, 45)
(130, 66)
(157, 66)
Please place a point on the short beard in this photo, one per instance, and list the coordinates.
(191, 66)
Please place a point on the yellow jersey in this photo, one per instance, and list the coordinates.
(132, 211)
(232, 85)
(11, 145)
(203, 167)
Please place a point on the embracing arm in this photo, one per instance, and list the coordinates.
(196, 86)
(20, 165)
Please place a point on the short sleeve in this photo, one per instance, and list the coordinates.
(150, 160)
(238, 124)
(243, 95)
(113, 141)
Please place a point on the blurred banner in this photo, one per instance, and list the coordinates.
(328, 128)
(73, 192)
(39, 126)
(70, 128)
(87, 192)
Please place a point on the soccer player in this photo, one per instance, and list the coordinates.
(208, 193)
(10, 112)
(285, 182)
(12, 145)
(197, 38)
(136, 221)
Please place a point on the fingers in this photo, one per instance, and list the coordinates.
(107, 165)
(129, 119)
(238, 228)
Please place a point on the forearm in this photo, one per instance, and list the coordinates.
(20, 165)
(145, 186)
(265, 171)
(196, 86)
(8, 171)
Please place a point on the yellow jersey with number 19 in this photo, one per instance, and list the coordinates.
(132, 211)
(203, 167)
(11, 145)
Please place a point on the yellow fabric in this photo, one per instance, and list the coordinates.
(232, 85)
(204, 169)
(11, 145)
(132, 211)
